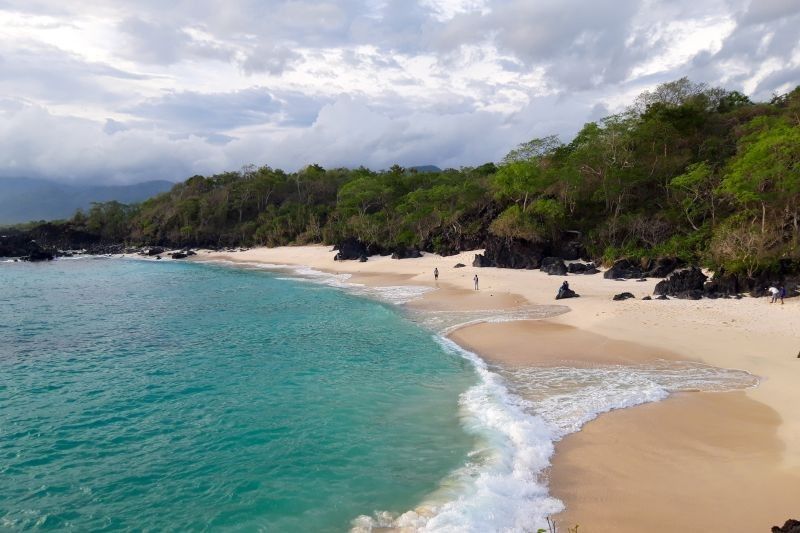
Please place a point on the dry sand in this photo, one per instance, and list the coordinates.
(695, 462)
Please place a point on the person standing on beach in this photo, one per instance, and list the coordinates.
(782, 294)
(774, 292)
(436, 274)
(475, 279)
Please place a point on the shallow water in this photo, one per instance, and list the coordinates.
(177, 396)
(174, 396)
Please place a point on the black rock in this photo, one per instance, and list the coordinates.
(155, 251)
(511, 253)
(647, 298)
(362, 259)
(790, 526)
(569, 246)
(623, 296)
(39, 255)
(641, 279)
(350, 249)
(685, 284)
(724, 285)
(582, 268)
(459, 265)
(406, 253)
(179, 255)
(554, 266)
(567, 293)
(662, 267)
(623, 269)
(662, 297)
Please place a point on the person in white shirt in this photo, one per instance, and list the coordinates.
(774, 292)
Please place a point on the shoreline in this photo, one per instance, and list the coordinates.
(602, 332)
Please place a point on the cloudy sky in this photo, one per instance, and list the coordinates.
(130, 90)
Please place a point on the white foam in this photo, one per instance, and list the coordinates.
(519, 414)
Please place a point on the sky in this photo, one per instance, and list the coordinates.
(132, 90)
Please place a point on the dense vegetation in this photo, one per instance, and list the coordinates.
(687, 170)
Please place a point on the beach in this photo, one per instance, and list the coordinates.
(697, 461)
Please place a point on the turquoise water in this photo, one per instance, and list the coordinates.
(144, 395)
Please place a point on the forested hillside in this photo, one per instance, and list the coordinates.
(687, 171)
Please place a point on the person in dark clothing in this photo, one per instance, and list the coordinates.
(782, 293)
(436, 274)
(564, 288)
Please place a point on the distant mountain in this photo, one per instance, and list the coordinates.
(426, 168)
(24, 199)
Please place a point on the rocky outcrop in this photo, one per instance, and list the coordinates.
(39, 255)
(459, 265)
(790, 526)
(623, 296)
(661, 267)
(623, 269)
(554, 266)
(18, 244)
(350, 249)
(685, 284)
(156, 250)
(582, 268)
(406, 253)
(569, 246)
(513, 253)
(650, 268)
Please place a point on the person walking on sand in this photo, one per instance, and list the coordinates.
(774, 292)
(436, 274)
(475, 279)
(782, 293)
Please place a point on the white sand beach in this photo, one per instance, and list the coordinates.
(694, 462)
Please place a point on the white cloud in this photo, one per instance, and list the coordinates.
(143, 89)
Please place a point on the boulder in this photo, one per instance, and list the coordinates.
(569, 246)
(661, 267)
(567, 293)
(350, 249)
(582, 268)
(156, 250)
(38, 255)
(511, 253)
(406, 253)
(553, 266)
(623, 296)
(685, 284)
(647, 298)
(362, 259)
(459, 265)
(623, 269)
(790, 526)
(179, 255)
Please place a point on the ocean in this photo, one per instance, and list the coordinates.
(181, 396)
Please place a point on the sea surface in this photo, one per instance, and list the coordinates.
(144, 395)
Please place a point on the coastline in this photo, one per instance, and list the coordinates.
(612, 475)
